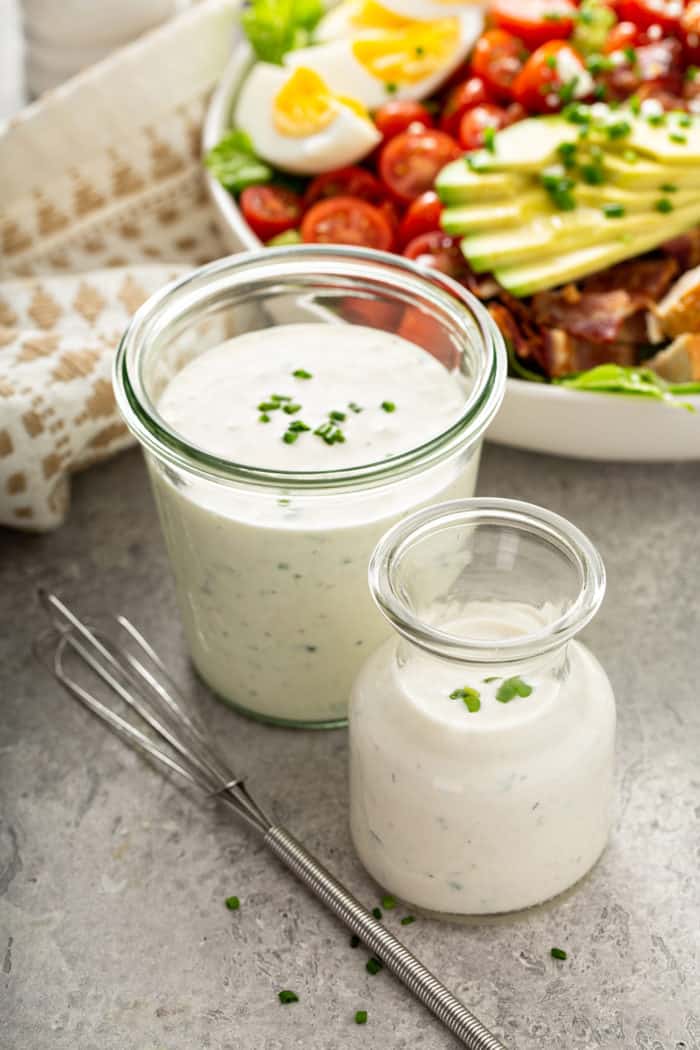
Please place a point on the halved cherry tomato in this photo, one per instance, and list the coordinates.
(345, 182)
(391, 213)
(376, 313)
(270, 210)
(535, 21)
(622, 36)
(646, 13)
(423, 215)
(464, 96)
(438, 251)
(472, 129)
(398, 115)
(498, 58)
(690, 24)
(347, 220)
(539, 88)
(659, 66)
(409, 163)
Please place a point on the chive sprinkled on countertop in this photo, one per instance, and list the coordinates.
(388, 902)
(408, 920)
(354, 941)
(377, 912)
(232, 903)
(285, 996)
(558, 953)
(360, 1017)
(374, 966)
(301, 373)
(388, 406)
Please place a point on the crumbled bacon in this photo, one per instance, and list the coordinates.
(597, 317)
(564, 353)
(648, 278)
(684, 250)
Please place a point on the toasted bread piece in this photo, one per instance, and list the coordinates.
(679, 310)
(679, 362)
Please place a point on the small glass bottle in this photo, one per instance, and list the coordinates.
(482, 738)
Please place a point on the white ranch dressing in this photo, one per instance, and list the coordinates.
(273, 586)
(481, 812)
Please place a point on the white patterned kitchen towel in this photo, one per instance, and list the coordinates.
(102, 202)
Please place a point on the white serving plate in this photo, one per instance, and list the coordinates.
(534, 416)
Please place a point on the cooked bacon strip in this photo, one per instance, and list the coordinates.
(684, 250)
(650, 278)
(565, 354)
(595, 317)
(526, 341)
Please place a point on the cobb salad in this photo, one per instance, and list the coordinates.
(544, 153)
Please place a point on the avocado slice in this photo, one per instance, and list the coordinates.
(675, 142)
(527, 146)
(635, 201)
(646, 174)
(458, 184)
(545, 235)
(496, 214)
(556, 269)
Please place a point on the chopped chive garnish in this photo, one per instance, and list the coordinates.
(330, 433)
(290, 436)
(388, 902)
(268, 406)
(490, 139)
(286, 996)
(301, 373)
(374, 966)
(279, 397)
(685, 121)
(377, 912)
(419, 50)
(388, 406)
(613, 211)
(263, 418)
(593, 174)
(558, 953)
(511, 688)
(354, 407)
(354, 941)
(635, 104)
(675, 136)
(619, 130)
(551, 61)
(567, 153)
(559, 187)
(338, 417)
(631, 55)
(297, 427)
(471, 698)
(691, 73)
(391, 88)
(291, 409)
(664, 205)
(630, 156)
(360, 1017)
(668, 187)
(233, 903)
(407, 920)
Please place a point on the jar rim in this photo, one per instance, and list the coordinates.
(185, 294)
(552, 528)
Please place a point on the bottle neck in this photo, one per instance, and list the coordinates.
(551, 665)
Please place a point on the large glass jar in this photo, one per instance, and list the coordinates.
(482, 736)
(270, 565)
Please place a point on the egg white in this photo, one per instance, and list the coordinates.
(347, 139)
(335, 62)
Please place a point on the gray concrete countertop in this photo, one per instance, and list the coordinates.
(113, 930)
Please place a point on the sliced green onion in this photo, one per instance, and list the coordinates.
(233, 903)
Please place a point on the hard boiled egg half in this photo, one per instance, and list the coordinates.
(407, 60)
(356, 17)
(297, 123)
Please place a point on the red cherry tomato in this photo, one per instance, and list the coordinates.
(345, 182)
(535, 21)
(472, 128)
(622, 36)
(398, 115)
(539, 85)
(391, 213)
(375, 313)
(423, 215)
(270, 210)
(423, 330)
(409, 164)
(498, 58)
(347, 220)
(690, 24)
(437, 251)
(464, 96)
(646, 13)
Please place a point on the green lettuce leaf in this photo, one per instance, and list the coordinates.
(631, 381)
(234, 163)
(275, 27)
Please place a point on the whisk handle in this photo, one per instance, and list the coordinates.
(431, 992)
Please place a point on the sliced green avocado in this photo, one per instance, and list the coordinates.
(555, 269)
(645, 174)
(458, 184)
(493, 215)
(527, 146)
(675, 142)
(636, 200)
(545, 235)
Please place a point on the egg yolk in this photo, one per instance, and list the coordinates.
(305, 105)
(368, 14)
(409, 54)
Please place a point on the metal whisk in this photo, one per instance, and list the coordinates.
(171, 735)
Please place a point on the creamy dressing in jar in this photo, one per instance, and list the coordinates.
(274, 595)
(481, 782)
